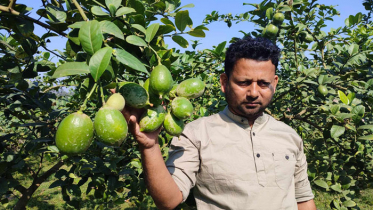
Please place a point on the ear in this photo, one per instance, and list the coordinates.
(223, 82)
(275, 81)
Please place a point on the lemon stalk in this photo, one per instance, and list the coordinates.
(84, 106)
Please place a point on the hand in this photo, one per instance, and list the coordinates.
(145, 140)
(132, 115)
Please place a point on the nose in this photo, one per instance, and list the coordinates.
(253, 90)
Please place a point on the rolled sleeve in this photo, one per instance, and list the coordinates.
(183, 163)
(303, 191)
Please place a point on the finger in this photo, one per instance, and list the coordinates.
(132, 123)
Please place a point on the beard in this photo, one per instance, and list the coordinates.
(241, 108)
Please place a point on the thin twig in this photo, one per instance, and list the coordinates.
(80, 9)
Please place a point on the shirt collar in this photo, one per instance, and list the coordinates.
(241, 120)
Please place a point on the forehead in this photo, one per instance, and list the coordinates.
(250, 67)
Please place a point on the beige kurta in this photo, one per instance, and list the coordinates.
(233, 166)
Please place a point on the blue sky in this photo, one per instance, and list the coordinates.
(218, 31)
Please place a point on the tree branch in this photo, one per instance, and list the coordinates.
(81, 11)
(16, 13)
(22, 202)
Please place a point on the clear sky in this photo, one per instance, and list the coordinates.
(218, 31)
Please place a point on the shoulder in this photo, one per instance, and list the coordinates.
(201, 127)
(280, 126)
(282, 129)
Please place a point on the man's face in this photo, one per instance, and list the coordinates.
(250, 87)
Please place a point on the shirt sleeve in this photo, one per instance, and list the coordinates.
(183, 162)
(303, 191)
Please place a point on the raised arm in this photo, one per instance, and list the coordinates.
(160, 184)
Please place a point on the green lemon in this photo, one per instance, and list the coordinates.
(116, 101)
(160, 81)
(172, 93)
(173, 125)
(110, 126)
(190, 88)
(308, 38)
(181, 107)
(74, 134)
(153, 98)
(152, 119)
(271, 30)
(278, 18)
(134, 94)
(322, 90)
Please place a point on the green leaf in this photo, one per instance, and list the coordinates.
(349, 203)
(129, 60)
(197, 33)
(369, 137)
(99, 62)
(71, 68)
(322, 79)
(201, 27)
(124, 11)
(25, 27)
(90, 36)
(165, 29)
(182, 20)
(77, 24)
(334, 109)
(135, 40)
(336, 187)
(336, 131)
(139, 27)
(55, 15)
(151, 31)
(180, 41)
(219, 49)
(96, 10)
(53, 149)
(269, 13)
(108, 27)
(285, 8)
(115, 3)
(343, 97)
(321, 183)
(365, 127)
(187, 6)
(353, 49)
(358, 110)
(167, 21)
(112, 9)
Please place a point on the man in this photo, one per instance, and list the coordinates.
(240, 158)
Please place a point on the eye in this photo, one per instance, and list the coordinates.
(244, 83)
(263, 84)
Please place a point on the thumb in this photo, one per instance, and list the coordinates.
(133, 125)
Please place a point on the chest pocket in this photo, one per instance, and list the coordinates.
(284, 169)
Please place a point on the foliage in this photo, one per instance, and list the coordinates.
(111, 41)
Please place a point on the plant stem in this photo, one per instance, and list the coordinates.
(84, 106)
(81, 11)
(156, 54)
(102, 95)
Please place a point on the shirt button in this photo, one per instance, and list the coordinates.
(287, 157)
(253, 134)
(258, 155)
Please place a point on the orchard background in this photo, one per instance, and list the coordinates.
(40, 86)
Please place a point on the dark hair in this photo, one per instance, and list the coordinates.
(259, 49)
